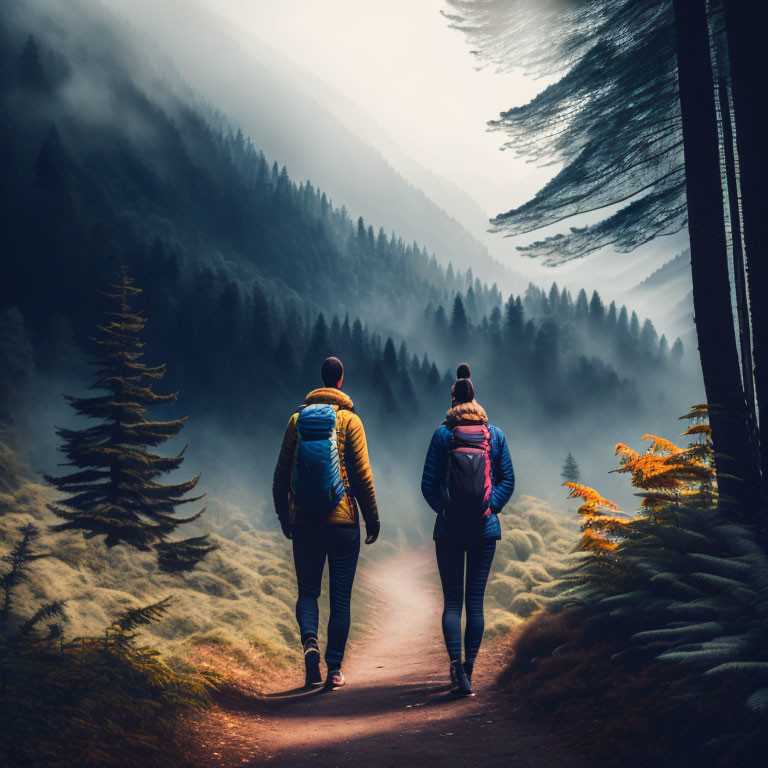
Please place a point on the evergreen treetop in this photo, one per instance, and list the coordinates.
(570, 471)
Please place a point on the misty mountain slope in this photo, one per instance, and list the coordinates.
(100, 166)
(667, 293)
(443, 192)
(282, 108)
(673, 270)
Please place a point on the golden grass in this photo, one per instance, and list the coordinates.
(536, 540)
(241, 597)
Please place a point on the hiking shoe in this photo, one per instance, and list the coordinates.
(312, 663)
(334, 680)
(463, 686)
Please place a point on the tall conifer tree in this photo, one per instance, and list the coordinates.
(114, 490)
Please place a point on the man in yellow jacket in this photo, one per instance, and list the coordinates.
(335, 536)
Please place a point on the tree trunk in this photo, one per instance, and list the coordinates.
(737, 474)
(746, 22)
(739, 273)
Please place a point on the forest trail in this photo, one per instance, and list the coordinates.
(396, 709)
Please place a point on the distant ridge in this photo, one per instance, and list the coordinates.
(672, 270)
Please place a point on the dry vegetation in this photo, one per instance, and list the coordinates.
(530, 559)
(240, 597)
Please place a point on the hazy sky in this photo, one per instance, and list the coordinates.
(401, 63)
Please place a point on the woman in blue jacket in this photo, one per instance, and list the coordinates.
(465, 538)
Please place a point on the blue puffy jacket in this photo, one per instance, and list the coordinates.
(436, 469)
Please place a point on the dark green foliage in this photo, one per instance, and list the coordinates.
(544, 350)
(183, 555)
(133, 618)
(114, 490)
(459, 325)
(612, 119)
(101, 199)
(16, 363)
(570, 472)
(18, 560)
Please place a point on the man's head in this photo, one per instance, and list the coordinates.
(332, 372)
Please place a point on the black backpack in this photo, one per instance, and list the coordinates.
(468, 483)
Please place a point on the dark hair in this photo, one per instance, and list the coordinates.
(462, 372)
(332, 371)
(463, 391)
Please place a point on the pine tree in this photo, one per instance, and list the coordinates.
(319, 347)
(582, 306)
(18, 559)
(596, 310)
(114, 490)
(31, 73)
(570, 471)
(459, 321)
(389, 359)
(677, 350)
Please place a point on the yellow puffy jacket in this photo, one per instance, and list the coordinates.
(353, 460)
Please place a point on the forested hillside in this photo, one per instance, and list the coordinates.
(307, 124)
(251, 278)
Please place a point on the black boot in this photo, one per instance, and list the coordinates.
(312, 663)
(468, 667)
(463, 686)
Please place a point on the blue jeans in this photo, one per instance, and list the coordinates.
(451, 554)
(311, 546)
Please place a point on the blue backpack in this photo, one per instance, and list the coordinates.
(316, 482)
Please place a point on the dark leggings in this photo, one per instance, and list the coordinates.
(450, 562)
(311, 546)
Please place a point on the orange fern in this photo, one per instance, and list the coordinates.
(700, 411)
(594, 503)
(593, 541)
(667, 474)
(626, 453)
(660, 445)
(699, 429)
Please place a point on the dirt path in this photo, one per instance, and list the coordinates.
(396, 710)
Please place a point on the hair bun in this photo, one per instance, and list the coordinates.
(462, 372)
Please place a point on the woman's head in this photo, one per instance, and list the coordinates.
(462, 372)
(463, 391)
